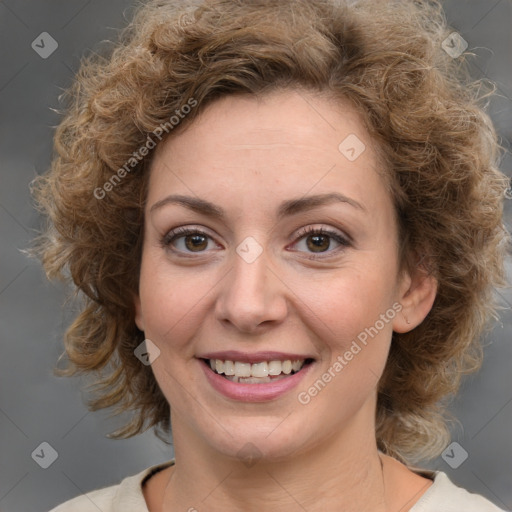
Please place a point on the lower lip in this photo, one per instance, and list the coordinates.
(253, 392)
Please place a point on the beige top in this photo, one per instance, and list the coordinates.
(441, 496)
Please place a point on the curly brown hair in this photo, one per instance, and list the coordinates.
(426, 115)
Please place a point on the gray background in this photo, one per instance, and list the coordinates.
(37, 407)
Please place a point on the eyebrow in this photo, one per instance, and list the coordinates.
(286, 209)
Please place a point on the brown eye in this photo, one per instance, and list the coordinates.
(187, 240)
(318, 243)
(196, 242)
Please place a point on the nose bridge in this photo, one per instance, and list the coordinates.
(250, 295)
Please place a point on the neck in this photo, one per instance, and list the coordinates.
(342, 471)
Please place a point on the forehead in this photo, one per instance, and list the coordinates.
(282, 144)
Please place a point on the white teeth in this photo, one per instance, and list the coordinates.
(242, 369)
(245, 372)
(250, 380)
(229, 368)
(296, 365)
(274, 367)
(259, 369)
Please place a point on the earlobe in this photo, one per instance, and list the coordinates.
(139, 322)
(417, 295)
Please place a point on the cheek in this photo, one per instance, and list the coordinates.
(171, 301)
(349, 301)
(355, 340)
(352, 316)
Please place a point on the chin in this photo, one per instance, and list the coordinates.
(252, 439)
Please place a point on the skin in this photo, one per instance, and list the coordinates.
(247, 155)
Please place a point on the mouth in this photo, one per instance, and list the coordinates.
(260, 372)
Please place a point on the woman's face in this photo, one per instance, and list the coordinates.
(249, 257)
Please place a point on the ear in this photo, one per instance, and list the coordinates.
(139, 321)
(417, 292)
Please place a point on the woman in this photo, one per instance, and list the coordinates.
(286, 220)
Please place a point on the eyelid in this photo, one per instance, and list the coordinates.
(341, 238)
(322, 230)
(182, 231)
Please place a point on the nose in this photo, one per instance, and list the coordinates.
(252, 296)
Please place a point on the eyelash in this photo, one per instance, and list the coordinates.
(181, 232)
(310, 230)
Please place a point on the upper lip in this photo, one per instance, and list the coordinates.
(255, 357)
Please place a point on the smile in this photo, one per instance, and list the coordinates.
(256, 373)
(254, 378)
